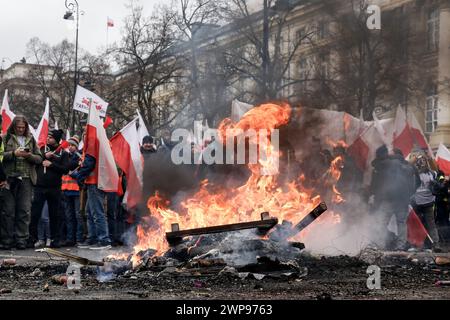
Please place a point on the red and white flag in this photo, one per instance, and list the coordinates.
(358, 149)
(382, 130)
(7, 114)
(443, 159)
(363, 149)
(417, 133)
(84, 98)
(125, 147)
(403, 139)
(415, 230)
(97, 145)
(109, 22)
(142, 129)
(42, 130)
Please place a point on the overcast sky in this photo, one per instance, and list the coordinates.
(22, 20)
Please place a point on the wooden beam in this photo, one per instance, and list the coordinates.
(264, 225)
(286, 231)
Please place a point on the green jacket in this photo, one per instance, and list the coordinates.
(13, 165)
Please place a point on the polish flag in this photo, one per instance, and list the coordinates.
(358, 149)
(415, 230)
(382, 130)
(125, 147)
(110, 22)
(363, 149)
(417, 133)
(97, 145)
(142, 129)
(42, 130)
(443, 159)
(403, 139)
(7, 114)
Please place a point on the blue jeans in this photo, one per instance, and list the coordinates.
(97, 224)
(74, 222)
(44, 224)
(112, 204)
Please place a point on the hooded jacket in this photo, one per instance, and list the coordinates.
(13, 165)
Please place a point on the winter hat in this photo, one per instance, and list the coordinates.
(74, 141)
(147, 139)
(56, 134)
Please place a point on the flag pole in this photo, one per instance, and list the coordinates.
(429, 238)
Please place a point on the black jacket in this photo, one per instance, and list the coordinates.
(51, 177)
(74, 159)
(393, 179)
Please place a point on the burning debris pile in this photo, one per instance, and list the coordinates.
(222, 223)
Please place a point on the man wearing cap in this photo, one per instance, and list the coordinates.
(71, 196)
(48, 187)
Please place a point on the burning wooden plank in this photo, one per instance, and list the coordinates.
(286, 230)
(264, 225)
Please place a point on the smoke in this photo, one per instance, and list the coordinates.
(356, 229)
(302, 132)
(161, 174)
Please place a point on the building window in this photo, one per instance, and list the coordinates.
(303, 70)
(431, 119)
(322, 29)
(324, 61)
(433, 29)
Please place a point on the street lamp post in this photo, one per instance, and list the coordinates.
(73, 7)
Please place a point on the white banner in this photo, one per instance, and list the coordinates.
(238, 109)
(83, 98)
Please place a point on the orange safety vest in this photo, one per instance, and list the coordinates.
(92, 177)
(69, 184)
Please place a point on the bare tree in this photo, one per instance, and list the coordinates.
(52, 76)
(366, 69)
(206, 74)
(148, 59)
(265, 48)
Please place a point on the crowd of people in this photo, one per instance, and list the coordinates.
(398, 184)
(395, 188)
(49, 195)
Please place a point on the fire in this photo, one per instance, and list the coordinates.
(216, 205)
(266, 116)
